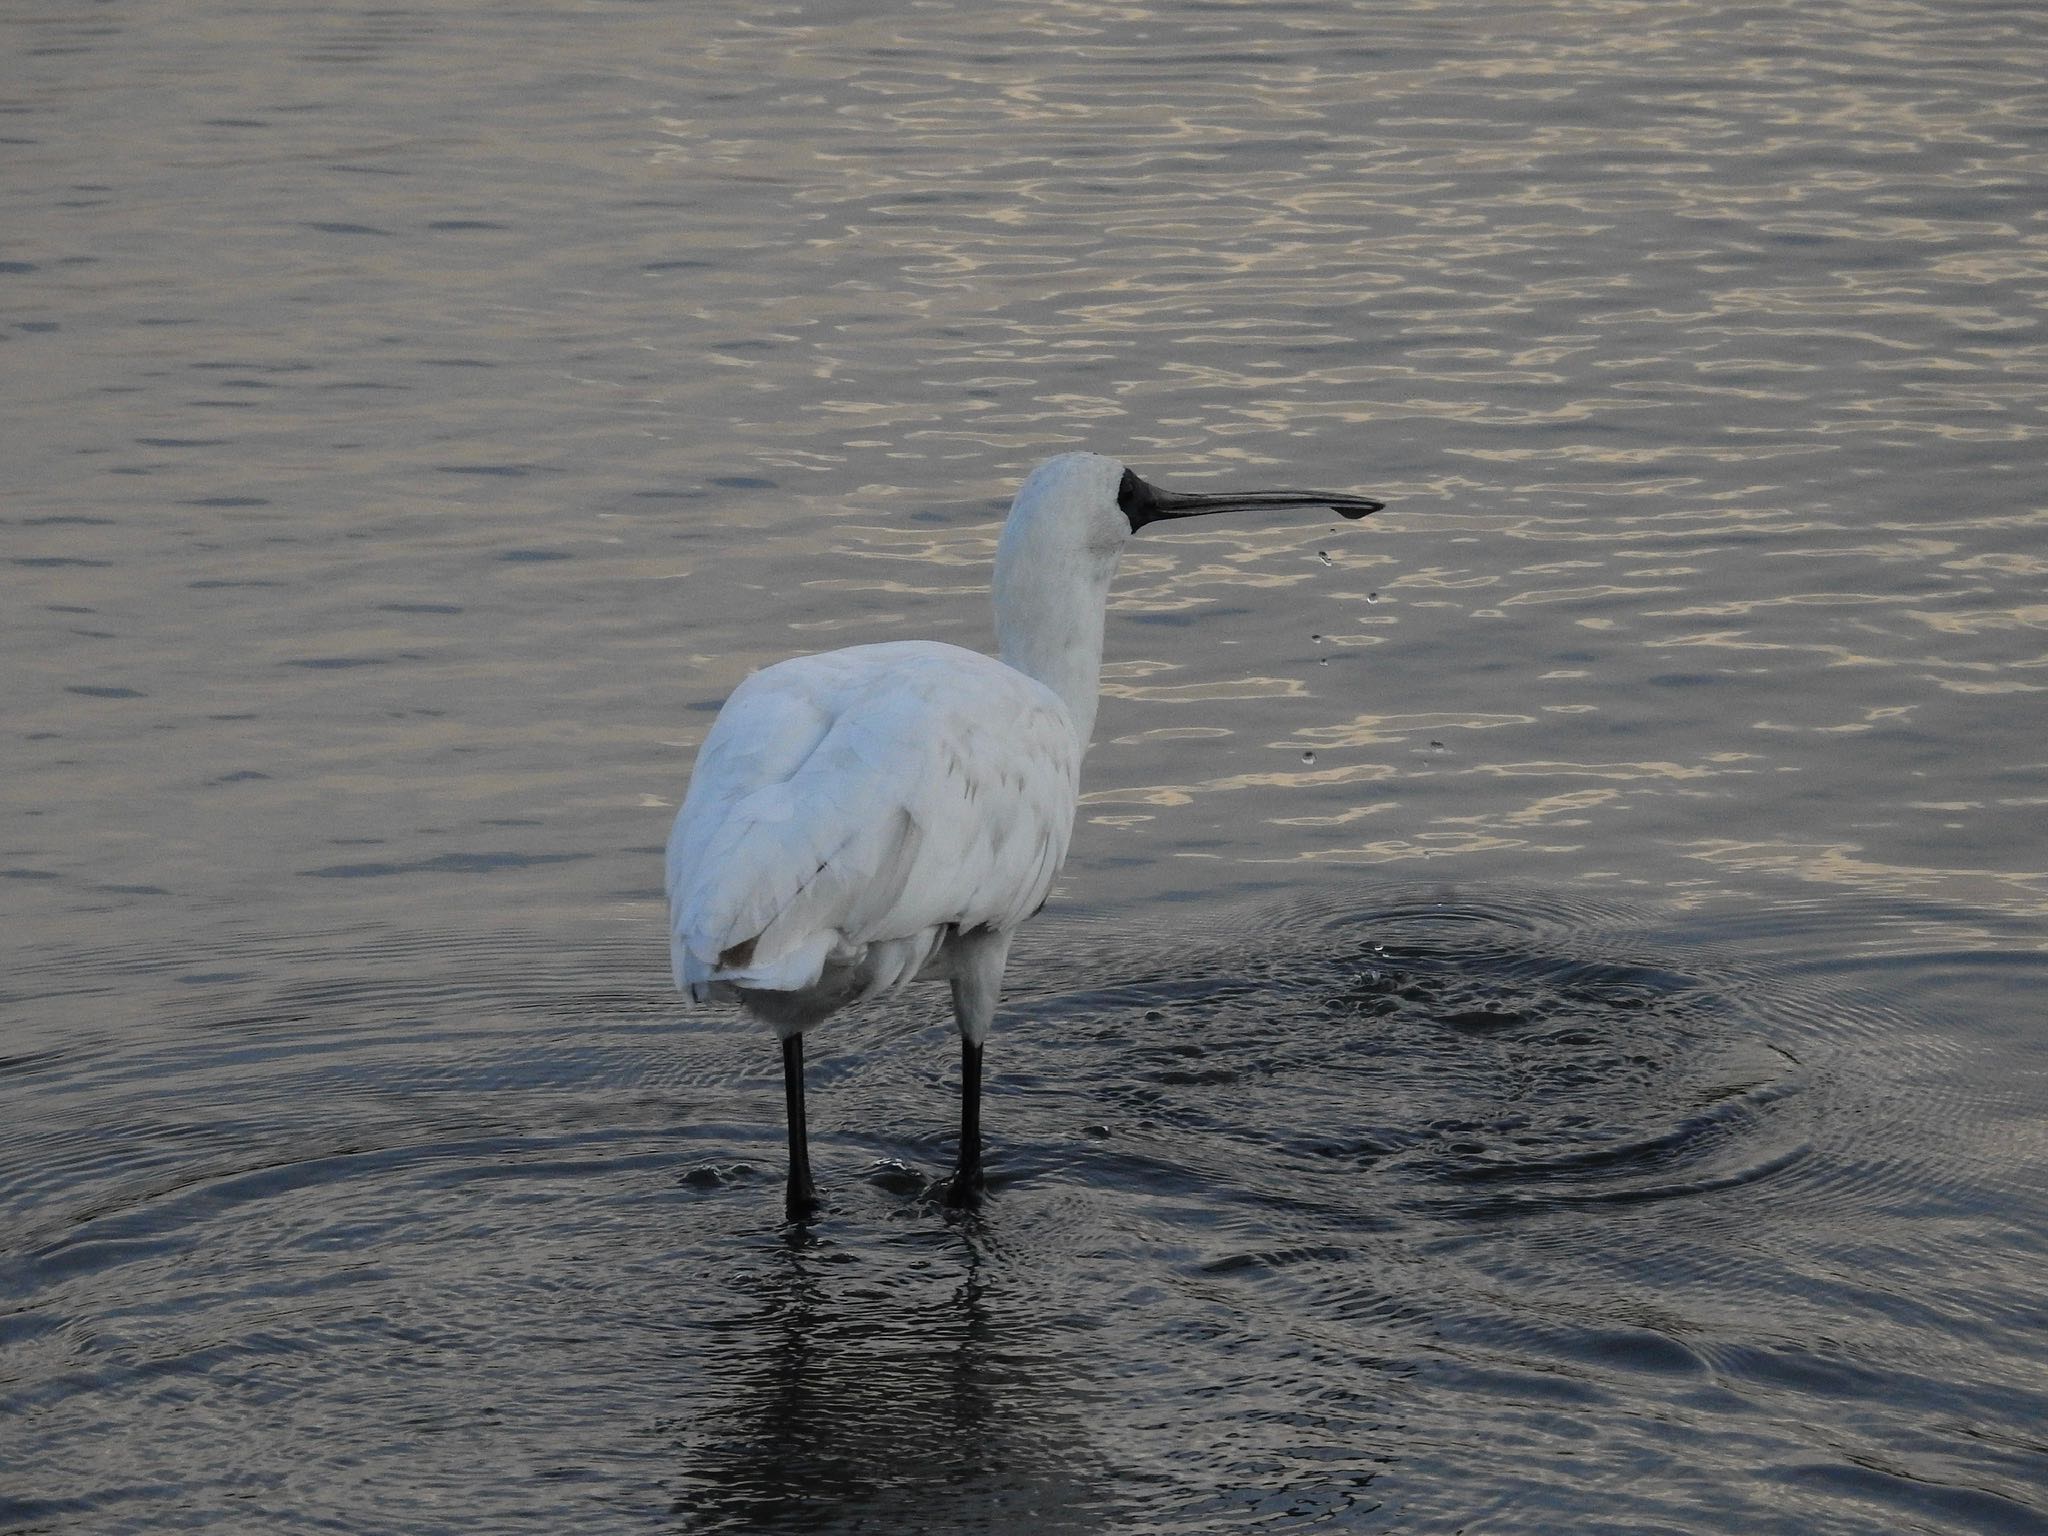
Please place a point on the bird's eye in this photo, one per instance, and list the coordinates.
(1137, 500)
(1129, 492)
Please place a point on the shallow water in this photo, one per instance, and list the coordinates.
(1539, 1029)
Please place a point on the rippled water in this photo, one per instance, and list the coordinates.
(1539, 1031)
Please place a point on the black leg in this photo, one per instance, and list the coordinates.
(803, 1195)
(966, 1184)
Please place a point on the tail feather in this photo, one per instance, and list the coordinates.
(793, 969)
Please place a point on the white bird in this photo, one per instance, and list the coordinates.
(869, 816)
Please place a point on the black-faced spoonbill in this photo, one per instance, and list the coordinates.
(859, 819)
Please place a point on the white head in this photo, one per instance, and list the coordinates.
(1058, 553)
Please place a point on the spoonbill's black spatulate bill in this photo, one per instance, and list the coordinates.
(865, 817)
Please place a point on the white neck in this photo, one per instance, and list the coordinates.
(1050, 590)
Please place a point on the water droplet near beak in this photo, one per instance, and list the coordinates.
(1308, 757)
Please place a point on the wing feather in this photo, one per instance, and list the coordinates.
(867, 795)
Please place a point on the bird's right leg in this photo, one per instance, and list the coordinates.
(978, 962)
(967, 1181)
(802, 1199)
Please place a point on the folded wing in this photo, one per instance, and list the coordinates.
(872, 794)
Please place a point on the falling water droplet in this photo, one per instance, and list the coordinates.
(1308, 757)
(1317, 638)
(1322, 661)
(1372, 597)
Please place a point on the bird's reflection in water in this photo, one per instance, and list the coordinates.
(888, 1393)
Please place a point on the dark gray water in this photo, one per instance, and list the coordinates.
(1540, 1030)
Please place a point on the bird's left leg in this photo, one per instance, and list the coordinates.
(801, 1198)
(977, 964)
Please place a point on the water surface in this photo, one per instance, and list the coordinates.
(1538, 1029)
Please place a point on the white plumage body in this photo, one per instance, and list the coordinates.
(863, 817)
